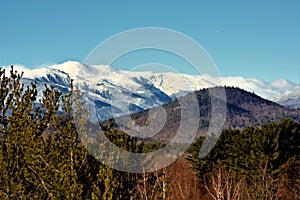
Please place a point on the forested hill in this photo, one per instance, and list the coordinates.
(256, 163)
(243, 109)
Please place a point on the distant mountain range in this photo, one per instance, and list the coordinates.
(291, 100)
(127, 92)
(243, 109)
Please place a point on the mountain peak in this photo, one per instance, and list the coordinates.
(281, 82)
(142, 89)
(73, 68)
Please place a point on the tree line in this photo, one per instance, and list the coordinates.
(253, 163)
(42, 157)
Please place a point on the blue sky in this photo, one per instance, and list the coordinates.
(259, 39)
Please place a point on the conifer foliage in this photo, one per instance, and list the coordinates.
(41, 155)
(255, 163)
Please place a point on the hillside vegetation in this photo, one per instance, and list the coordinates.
(243, 109)
(42, 155)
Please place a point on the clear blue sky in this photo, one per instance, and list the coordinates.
(259, 39)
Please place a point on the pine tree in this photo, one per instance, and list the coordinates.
(267, 158)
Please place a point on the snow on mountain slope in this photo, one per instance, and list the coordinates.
(261, 88)
(110, 88)
(291, 100)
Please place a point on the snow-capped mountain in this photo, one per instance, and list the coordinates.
(291, 100)
(119, 92)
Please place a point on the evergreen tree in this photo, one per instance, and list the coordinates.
(41, 153)
(268, 157)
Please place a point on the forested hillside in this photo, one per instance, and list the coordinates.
(42, 156)
(255, 163)
(243, 109)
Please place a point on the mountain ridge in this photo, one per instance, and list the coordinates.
(138, 90)
(243, 109)
(291, 100)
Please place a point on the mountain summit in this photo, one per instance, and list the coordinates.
(126, 92)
